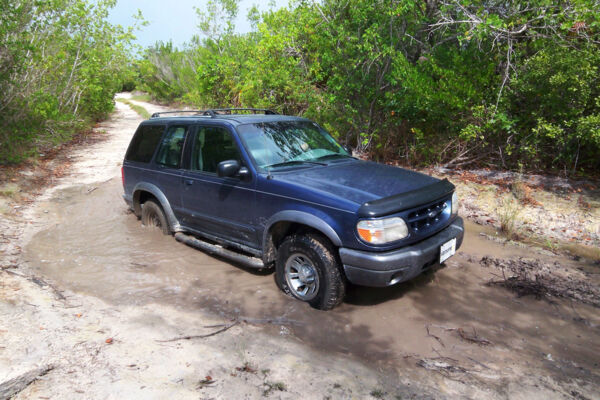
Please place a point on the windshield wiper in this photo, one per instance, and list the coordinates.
(335, 155)
(293, 162)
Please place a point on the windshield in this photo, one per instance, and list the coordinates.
(289, 143)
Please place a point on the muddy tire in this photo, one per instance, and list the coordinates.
(307, 268)
(153, 216)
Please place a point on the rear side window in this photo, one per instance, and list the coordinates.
(169, 154)
(144, 143)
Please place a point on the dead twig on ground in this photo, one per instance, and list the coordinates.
(446, 328)
(434, 336)
(207, 381)
(269, 321)
(442, 365)
(57, 292)
(473, 338)
(188, 337)
(542, 280)
(17, 384)
(251, 321)
(523, 286)
(38, 281)
(479, 363)
(462, 333)
(8, 271)
(72, 306)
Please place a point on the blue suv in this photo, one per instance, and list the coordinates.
(265, 190)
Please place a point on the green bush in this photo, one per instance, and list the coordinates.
(62, 63)
(463, 84)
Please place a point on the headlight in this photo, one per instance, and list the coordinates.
(454, 203)
(380, 231)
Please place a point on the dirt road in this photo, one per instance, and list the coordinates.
(103, 293)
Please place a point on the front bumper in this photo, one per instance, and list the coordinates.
(388, 268)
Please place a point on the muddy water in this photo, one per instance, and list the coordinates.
(92, 244)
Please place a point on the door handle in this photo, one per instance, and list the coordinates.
(188, 182)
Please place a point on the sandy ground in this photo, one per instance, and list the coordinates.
(554, 212)
(95, 297)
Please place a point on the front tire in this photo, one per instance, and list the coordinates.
(153, 216)
(307, 269)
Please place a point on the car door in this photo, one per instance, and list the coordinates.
(223, 207)
(168, 163)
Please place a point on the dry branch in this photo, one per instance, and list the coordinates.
(252, 321)
(542, 280)
(441, 365)
(38, 281)
(269, 321)
(473, 338)
(17, 384)
(188, 337)
(462, 333)
(434, 336)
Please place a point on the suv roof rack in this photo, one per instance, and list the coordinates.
(214, 112)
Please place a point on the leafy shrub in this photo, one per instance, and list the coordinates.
(469, 83)
(61, 64)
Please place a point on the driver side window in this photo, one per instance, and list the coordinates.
(212, 145)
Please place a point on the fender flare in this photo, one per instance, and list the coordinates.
(300, 217)
(160, 196)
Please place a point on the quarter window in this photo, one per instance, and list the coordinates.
(169, 154)
(144, 143)
(213, 145)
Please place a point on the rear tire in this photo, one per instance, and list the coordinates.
(153, 216)
(307, 269)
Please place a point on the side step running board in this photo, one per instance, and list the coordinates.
(219, 250)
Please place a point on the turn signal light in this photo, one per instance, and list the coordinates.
(380, 231)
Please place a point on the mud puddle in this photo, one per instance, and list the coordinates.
(92, 244)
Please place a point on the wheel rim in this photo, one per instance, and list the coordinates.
(155, 221)
(302, 277)
(152, 220)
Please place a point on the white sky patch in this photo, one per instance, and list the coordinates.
(174, 20)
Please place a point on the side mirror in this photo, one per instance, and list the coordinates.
(348, 148)
(231, 168)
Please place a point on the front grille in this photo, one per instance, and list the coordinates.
(428, 218)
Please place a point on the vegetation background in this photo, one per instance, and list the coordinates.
(501, 84)
(61, 63)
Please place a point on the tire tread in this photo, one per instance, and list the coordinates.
(333, 287)
(152, 206)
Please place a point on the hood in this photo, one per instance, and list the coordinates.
(356, 180)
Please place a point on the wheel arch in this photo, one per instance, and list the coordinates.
(144, 191)
(283, 223)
